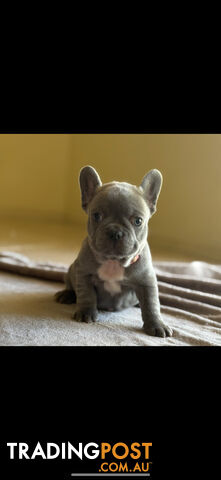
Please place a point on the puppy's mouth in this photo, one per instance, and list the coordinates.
(124, 258)
(121, 259)
(117, 252)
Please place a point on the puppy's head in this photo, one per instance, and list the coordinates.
(118, 214)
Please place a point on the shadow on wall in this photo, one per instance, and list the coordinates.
(39, 179)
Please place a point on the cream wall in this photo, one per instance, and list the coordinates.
(39, 179)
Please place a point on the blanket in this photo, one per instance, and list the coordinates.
(190, 297)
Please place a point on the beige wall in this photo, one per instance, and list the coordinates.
(39, 179)
(34, 172)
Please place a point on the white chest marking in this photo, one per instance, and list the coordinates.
(111, 272)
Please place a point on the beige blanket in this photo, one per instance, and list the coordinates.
(190, 296)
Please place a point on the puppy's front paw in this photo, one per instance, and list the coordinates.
(85, 314)
(157, 328)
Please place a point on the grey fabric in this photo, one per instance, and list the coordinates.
(190, 297)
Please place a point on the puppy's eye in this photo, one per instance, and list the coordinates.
(137, 221)
(97, 216)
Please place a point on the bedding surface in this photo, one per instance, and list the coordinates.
(190, 297)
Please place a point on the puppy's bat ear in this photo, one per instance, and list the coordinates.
(151, 186)
(89, 181)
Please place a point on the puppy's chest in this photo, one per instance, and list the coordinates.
(112, 274)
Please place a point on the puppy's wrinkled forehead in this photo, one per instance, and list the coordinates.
(120, 198)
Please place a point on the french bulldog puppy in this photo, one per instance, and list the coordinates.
(114, 267)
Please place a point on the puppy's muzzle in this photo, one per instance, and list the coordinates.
(115, 233)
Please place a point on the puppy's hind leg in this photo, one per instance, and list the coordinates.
(68, 294)
(65, 296)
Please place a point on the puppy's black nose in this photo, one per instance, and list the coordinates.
(116, 234)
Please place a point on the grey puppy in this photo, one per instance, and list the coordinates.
(114, 267)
